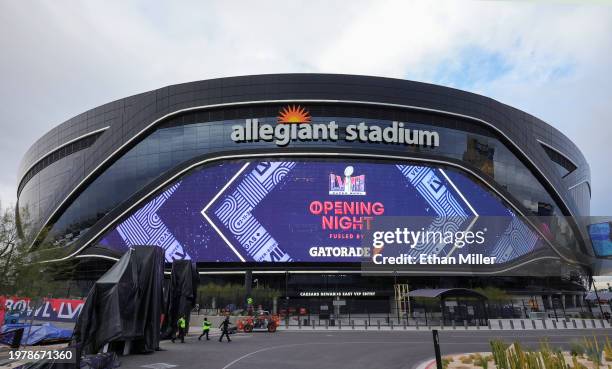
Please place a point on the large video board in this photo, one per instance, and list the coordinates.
(601, 237)
(309, 211)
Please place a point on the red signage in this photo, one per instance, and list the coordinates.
(61, 310)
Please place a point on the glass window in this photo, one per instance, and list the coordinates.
(175, 142)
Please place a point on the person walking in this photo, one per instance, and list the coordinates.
(182, 325)
(225, 329)
(205, 329)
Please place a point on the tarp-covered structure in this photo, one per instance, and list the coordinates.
(36, 334)
(180, 295)
(124, 304)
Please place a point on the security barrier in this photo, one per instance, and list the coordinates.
(408, 324)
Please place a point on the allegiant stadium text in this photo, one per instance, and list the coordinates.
(282, 134)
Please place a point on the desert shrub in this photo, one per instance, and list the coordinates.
(516, 357)
(592, 351)
(500, 357)
(576, 348)
(445, 361)
(552, 358)
(481, 361)
(608, 350)
(576, 364)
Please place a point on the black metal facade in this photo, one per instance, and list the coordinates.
(69, 158)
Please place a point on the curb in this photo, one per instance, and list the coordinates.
(427, 364)
(429, 329)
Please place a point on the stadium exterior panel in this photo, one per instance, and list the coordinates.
(289, 175)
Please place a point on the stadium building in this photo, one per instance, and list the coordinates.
(278, 177)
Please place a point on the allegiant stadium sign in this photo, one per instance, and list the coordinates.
(294, 125)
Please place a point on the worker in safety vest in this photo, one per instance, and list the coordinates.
(250, 306)
(182, 325)
(205, 329)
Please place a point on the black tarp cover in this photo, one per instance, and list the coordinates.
(124, 304)
(180, 295)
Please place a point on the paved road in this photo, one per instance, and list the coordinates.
(337, 350)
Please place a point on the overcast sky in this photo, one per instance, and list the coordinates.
(551, 59)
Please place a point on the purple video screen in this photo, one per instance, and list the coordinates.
(280, 211)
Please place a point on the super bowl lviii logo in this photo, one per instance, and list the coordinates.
(347, 184)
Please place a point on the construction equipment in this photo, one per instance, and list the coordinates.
(262, 322)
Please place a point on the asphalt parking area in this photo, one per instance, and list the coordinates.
(335, 350)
